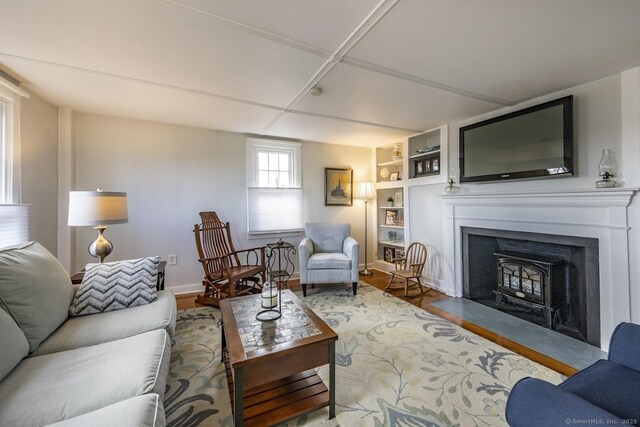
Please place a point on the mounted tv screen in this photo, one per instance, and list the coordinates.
(534, 142)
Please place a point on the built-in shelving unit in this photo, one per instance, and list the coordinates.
(392, 218)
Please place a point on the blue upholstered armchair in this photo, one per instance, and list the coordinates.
(607, 392)
(328, 255)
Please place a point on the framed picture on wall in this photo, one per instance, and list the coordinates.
(419, 167)
(388, 252)
(435, 165)
(338, 187)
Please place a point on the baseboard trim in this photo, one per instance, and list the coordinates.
(186, 289)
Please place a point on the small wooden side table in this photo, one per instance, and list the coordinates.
(76, 279)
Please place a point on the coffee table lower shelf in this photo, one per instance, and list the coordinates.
(281, 400)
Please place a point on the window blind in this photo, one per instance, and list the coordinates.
(14, 225)
(272, 210)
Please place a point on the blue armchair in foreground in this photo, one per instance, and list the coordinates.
(607, 392)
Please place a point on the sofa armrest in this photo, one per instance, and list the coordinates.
(624, 347)
(305, 250)
(534, 403)
(351, 249)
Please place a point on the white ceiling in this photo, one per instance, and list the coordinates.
(388, 68)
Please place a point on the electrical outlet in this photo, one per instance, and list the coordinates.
(173, 259)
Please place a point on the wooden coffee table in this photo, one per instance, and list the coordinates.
(270, 364)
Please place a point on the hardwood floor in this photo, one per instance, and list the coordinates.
(424, 301)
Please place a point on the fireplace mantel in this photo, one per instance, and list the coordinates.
(595, 213)
(561, 197)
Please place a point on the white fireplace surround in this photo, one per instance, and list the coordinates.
(600, 214)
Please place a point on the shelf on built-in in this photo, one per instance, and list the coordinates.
(391, 163)
(386, 242)
(415, 156)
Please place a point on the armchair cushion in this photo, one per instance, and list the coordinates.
(534, 403)
(324, 261)
(35, 290)
(610, 386)
(116, 285)
(327, 238)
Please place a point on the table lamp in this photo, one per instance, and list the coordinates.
(98, 208)
(366, 192)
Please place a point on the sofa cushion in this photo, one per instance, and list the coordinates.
(116, 285)
(99, 328)
(35, 290)
(329, 261)
(141, 411)
(327, 237)
(47, 389)
(610, 386)
(13, 344)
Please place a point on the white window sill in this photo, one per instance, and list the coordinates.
(275, 235)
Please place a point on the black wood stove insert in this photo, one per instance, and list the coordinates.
(549, 280)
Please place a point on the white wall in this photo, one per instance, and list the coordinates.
(39, 168)
(598, 123)
(172, 172)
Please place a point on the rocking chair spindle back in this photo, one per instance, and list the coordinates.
(225, 274)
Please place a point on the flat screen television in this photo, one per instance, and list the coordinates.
(533, 142)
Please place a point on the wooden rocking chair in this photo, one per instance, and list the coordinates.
(225, 275)
(410, 268)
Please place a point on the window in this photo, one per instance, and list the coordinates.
(274, 193)
(9, 143)
(14, 218)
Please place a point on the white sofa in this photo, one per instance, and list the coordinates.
(106, 369)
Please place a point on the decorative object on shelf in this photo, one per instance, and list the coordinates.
(366, 192)
(384, 173)
(399, 253)
(280, 268)
(391, 218)
(390, 201)
(427, 166)
(98, 208)
(398, 201)
(435, 165)
(395, 176)
(451, 187)
(605, 168)
(393, 236)
(427, 149)
(397, 152)
(419, 168)
(338, 187)
(388, 253)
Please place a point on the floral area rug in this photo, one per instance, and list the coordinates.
(397, 365)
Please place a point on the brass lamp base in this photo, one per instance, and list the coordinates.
(101, 247)
(366, 272)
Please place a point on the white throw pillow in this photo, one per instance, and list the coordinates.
(116, 285)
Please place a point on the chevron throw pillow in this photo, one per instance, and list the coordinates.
(116, 285)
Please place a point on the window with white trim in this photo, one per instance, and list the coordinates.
(9, 147)
(14, 218)
(274, 193)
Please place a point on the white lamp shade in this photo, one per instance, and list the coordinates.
(91, 208)
(366, 191)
